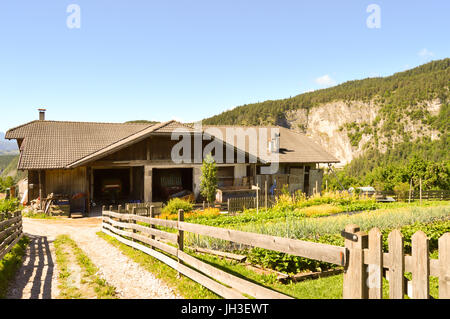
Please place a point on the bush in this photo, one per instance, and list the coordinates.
(9, 206)
(402, 190)
(175, 204)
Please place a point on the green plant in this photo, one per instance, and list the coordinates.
(208, 179)
(176, 204)
(10, 263)
(9, 205)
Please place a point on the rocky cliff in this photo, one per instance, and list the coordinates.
(347, 129)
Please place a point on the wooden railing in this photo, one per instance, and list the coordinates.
(368, 264)
(124, 228)
(417, 195)
(10, 232)
(240, 203)
(365, 263)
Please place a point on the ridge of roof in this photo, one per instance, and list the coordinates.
(103, 150)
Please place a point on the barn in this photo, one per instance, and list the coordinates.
(94, 164)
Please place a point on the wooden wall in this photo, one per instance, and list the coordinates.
(157, 148)
(66, 181)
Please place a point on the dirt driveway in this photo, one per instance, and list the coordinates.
(38, 277)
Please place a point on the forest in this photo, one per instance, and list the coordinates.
(400, 97)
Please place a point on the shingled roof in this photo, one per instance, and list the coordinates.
(294, 147)
(51, 145)
(56, 145)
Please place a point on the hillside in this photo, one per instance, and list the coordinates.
(371, 116)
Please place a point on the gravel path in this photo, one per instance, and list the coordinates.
(38, 276)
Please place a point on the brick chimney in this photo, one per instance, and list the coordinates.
(42, 114)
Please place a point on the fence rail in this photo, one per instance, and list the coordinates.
(415, 195)
(365, 263)
(368, 264)
(10, 232)
(124, 228)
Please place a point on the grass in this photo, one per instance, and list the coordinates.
(10, 263)
(65, 248)
(322, 288)
(180, 284)
(38, 216)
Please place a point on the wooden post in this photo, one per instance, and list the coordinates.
(228, 205)
(410, 190)
(397, 268)
(119, 209)
(444, 266)
(152, 215)
(41, 199)
(420, 190)
(180, 232)
(355, 274)
(375, 267)
(180, 239)
(265, 194)
(133, 212)
(421, 266)
(257, 198)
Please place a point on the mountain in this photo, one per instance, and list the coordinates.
(6, 146)
(381, 117)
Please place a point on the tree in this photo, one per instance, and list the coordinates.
(208, 179)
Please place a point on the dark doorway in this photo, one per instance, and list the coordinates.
(111, 186)
(169, 182)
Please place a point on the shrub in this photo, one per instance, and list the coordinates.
(321, 210)
(175, 204)
(9, 206)
(402, 190)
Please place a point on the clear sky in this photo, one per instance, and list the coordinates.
(188, 60)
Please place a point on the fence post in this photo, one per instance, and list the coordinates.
(180, 232)
(444, 269)
(420, 188)
(397, 267)
(375, 267)
(355, 275)
(421, 266)
(265, 193)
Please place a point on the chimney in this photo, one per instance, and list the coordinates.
(274, 144)
(42, 114)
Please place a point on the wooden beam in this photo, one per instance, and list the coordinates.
(312, 250)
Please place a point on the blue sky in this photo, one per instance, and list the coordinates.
(188, 60)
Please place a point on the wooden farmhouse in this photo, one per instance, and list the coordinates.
(108, 163)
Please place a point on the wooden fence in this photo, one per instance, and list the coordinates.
(365, 263)
(10, 232)
(124, 228)
(240, 203)
(415, 195)
(368, 264)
